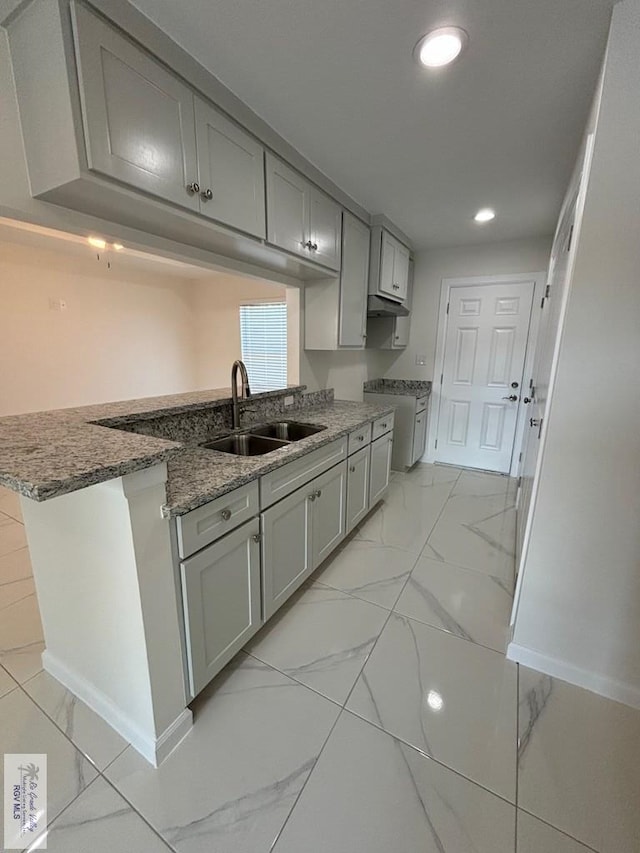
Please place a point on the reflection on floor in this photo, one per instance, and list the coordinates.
(376, 712)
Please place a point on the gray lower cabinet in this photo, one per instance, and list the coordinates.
(221, 601)
(419, 436)
(357, 487)
(287, 548)
(329, 512)
(381, 450)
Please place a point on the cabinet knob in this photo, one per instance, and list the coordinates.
(257, 537)
(384, 425)
(312, 496)
(318, 493)
(352, 468)
(418, 420)
(226, 514)
(360, 438)
(193, 187)
(526, 400)
(315, 247)
(206, 195)
(308, 245)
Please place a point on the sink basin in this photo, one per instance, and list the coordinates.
(288, 430)
(245, 445)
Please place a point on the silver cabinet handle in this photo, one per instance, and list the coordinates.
(257, 537)
(318, 493)
(312, 497)
(352, 469)
(193, 187)
(206, 195)
(226, 514)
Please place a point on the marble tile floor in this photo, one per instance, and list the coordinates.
(376, 711)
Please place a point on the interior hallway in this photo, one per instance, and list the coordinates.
(375, 712)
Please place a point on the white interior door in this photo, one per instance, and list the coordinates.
(536, 391)
(485, 346)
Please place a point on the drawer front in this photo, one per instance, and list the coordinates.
(382, 425)
(421, 404)
(359, 438)
(281, 482)
(211, 521)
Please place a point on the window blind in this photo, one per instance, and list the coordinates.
(263, 337)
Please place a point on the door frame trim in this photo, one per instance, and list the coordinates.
(539, 280)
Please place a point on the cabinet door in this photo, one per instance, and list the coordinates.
(354, 280)
(357, 487)
(325, 229)
(380, 467)
(401, 271)
(401, 326)
(287, 208)
(329, 511)
(138, 117)
(419, 437)
(387, 264)
(221, 600)
(286, 548)
(231, 168)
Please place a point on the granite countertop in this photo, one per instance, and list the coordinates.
(407, 387)
(46, 454)
(197, 475)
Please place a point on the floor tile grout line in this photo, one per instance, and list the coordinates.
(430, 757)
(155, 831)
(561, 831)
(450, 633)
(292, 677)
(306, 781)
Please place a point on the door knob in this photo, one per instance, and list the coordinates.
(514, 384)
(512, 397)
(526, 400)
(534, 422)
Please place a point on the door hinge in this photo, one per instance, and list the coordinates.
(448, 307)
(520, 458)
(570, 239)
(542, 302)
(441, 377)
(436, 444)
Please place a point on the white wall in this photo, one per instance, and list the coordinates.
(217, 324)
(123, 334)
(579, 610)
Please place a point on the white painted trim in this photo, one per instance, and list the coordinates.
(539, 280)
(154, 749)
(610, 688)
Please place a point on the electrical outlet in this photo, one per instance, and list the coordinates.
(421, 360)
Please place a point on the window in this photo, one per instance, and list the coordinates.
(263, 337)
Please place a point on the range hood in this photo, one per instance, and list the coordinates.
(378, 306)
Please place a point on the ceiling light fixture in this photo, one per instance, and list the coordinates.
(118, 246)
(97, 242)
(485, 215)
(440, 47)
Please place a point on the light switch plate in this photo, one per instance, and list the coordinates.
(421, 359)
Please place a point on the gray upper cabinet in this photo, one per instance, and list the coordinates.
(300, 218)
(230, 170)
(389, 275)
(325, 229)
(353, 282)
(138, 117)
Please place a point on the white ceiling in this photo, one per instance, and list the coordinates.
(500, 127)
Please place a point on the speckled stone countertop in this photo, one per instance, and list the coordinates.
(46, 454)
(197, 475)
(409, 387)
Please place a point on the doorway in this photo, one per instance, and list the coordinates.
(483, 349)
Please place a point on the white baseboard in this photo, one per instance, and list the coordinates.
(610, 688)
(154, 749)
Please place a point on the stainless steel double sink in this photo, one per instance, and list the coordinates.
(264, 439)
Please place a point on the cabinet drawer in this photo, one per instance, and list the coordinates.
(421, 404)
(281, 482)
(382, 425)
(207, 523)
(359, 438)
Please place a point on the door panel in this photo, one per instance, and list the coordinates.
(401, 271)
(485, 347)
(387, 262)
(138, 117)
(231, 165)
(326, 229)
(354, 281)
(287, 207)
(380, 468)
(221, 598)
(357, 487)
(419, 436)
(329, 511)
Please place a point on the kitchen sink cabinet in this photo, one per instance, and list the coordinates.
(357, 487)
(221, 601)
(380, 470)
(329, 512)
(300, 218)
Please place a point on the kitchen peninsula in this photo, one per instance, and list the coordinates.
(156, 558)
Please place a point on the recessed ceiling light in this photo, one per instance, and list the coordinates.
(440, 47)
(118, 246)
(97, 242)
(485, 215)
